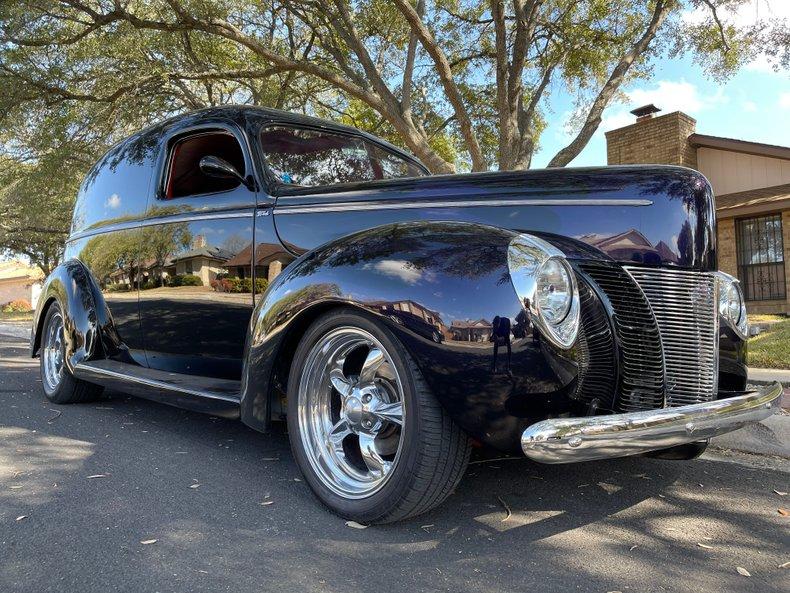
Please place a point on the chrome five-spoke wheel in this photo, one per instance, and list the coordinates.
(351, 412)
(53, 352)
(372, 441)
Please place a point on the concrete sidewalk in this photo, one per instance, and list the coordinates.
(764, 376)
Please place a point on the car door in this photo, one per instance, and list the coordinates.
(196, 297)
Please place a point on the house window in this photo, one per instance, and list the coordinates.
(761, 267)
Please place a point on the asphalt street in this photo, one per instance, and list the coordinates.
(129, 495)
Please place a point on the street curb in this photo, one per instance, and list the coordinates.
(769, 437)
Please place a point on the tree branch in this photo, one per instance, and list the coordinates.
(448, 84)
(593, 119)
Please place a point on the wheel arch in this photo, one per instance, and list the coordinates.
(367, 271)
(71, 286)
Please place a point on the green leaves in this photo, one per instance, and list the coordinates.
(77, 77)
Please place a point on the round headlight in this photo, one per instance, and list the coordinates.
(546, 288)
(554, 291)
(730, 303)
(732, 306)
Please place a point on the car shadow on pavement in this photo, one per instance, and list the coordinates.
(228, 511)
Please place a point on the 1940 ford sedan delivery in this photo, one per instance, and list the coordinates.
(259, 265)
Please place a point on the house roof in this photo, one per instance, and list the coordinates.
(467, 324)
(208, 251)
(17, 270)
(743, 202)
(630, 237)
(731, 144)
(263, 252)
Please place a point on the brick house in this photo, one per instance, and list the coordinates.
(751, 184)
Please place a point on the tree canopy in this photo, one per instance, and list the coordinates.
(463, 84)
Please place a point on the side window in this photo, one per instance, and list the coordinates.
(310, 158)
(116, 189)
(184, 177)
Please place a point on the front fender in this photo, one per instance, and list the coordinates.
(83, 308)
(440, 287)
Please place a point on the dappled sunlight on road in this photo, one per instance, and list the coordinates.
(32, 464)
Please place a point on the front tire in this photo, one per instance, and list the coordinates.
(371, 440)
(60, 386)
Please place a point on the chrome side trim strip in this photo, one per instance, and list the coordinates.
(356, 206)
(86, 370)
(566, 440)
(140, 223)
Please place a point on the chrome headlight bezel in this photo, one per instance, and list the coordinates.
(527, 256)
(735, 316)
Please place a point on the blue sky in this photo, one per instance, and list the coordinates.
(753, 105)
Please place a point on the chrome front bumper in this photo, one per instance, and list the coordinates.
(567, 440)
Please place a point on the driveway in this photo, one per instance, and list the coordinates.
(83, 487)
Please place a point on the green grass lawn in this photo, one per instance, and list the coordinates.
(771, 349)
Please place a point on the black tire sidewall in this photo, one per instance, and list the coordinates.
(384, 501)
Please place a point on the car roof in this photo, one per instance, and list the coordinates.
(243, 114)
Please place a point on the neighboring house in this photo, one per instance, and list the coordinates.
(205, 262)
(270, 259)
(625, 245)
(471, 331)
(751, 183)
(18, 281)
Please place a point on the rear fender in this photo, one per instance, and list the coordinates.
(84, 312)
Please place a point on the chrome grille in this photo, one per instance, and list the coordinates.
(597, 365)
(684, 305)
(640, 380)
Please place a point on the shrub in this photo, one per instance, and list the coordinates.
(235, 284)
(17, 306)
(186, 280)
(149, 285)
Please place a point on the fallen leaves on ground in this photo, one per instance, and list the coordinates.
(148, 542)
(21, 517)
(96, 476)
(780, 493)
(266, 503)
(507, 509)
(742, 571)
(356, 525)
(706, 546)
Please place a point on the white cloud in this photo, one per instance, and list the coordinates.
(744, 15)
(671, 95)
(667, 95)
(397, 268)
(784, 100)
(114, 201)
(749, 106)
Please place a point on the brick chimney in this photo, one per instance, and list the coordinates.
(653, 140)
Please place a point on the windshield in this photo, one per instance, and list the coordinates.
(310, 158)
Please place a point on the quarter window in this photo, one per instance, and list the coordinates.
(184, 176)
(761, 267)
(310, 158)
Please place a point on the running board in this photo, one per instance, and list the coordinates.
(219, 397)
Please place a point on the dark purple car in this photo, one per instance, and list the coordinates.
(260, 265)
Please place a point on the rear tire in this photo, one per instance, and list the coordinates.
(60, 386)
(370, 438)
